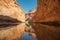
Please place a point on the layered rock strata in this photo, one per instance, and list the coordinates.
(11, 20)
(47, 20)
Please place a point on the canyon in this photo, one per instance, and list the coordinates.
(44, 20)
(47, 20)
(12, 17)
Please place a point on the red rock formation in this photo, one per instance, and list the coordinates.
(48, 13)
(30, 14)
(11, 14)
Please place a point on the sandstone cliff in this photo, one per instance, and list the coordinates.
(30, 14)
(11, 16)
(28, 17)
(47, 18)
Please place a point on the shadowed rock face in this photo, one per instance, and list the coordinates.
(47, 20)
(11, 18)
(6, 21)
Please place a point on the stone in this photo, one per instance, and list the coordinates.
(29, 17)
(47, 20)
(30, 14)
(11, 20)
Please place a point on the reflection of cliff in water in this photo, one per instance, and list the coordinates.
(48, 13)
(29, 31)
(6, 21)
(26, 36)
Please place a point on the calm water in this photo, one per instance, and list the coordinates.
(26, 36)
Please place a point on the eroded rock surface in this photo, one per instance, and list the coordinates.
(30, 14)
(46, 18)
(28, 17)
(11, 16)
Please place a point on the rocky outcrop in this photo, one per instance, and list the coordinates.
(29, 17)
(11, 16)
(47, 20)
(30, 14)
(28, 27)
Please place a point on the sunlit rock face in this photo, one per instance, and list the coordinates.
(30, 14)
(47, 20)
(11, 18)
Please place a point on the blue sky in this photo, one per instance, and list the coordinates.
(27, 4)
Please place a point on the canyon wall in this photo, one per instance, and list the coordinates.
(11, 18)
(30, 14)
(47, 20)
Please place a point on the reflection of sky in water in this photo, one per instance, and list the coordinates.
(26, 37)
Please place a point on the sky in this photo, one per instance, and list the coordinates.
(27, 4)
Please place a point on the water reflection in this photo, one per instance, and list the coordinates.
(26, 36)
(12, 33)
(29, 32)
(11, 24)
(6, 21)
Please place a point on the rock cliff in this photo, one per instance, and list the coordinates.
(47, 20)
(30, 14)
(28, 17)
(11, 16)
